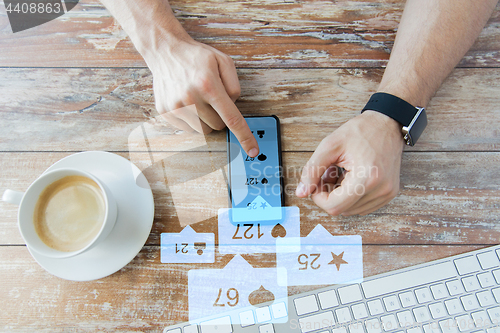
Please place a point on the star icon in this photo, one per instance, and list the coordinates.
(263, 205)
(337, 260)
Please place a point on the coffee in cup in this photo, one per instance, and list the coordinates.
(64, 212)
(69, 213)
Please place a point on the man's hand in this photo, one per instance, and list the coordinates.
(369, 146)
(368, 150)
(195, 85)
(190, 73)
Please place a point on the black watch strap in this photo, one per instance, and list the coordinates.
(413, 119)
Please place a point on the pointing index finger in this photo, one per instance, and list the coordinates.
(233, 119)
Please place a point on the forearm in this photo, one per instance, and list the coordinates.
(432, 38)
(150, 24)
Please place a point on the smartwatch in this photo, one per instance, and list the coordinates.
(413, 119)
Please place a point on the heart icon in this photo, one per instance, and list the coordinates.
(278, 231)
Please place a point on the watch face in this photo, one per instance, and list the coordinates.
(416, 127)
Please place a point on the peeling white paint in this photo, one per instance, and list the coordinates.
(107, 39)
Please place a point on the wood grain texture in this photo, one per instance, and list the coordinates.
(78, 84)
(98, 109)
(144, 296)
(442, 200)
(312, 33)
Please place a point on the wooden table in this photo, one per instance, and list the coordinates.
(77, 84)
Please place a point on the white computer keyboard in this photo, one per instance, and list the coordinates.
(452, 295)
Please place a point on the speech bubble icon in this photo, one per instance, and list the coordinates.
(188, 246)
(237, 287)
(321, 258)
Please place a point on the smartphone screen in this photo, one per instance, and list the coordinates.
(256, 183)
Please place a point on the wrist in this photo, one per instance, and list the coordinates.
(412, 119)
(388, 125)
(408, 86)
(160, 41)
(150, 24)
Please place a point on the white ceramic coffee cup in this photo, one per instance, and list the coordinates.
(27, 202)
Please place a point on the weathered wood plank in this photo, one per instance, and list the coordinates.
(145, 295)
(441, 201)
(256, 34)
(98, 109)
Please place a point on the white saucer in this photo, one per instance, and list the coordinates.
(133, 225)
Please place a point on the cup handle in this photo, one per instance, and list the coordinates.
(13, 197)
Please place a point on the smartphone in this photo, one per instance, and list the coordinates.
(256, 183)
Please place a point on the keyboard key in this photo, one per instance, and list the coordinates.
(469, 302)
(375, 307)
(356, 327)
(423, 295)
(267, 328)
(190, 329)
(247, 318)
(391, 303)
(279, 310)
(488, 259)
(328, 299)
(405, 280)
(467, 265)
(359, 311)
(263, 314)
(405, 319)
(455, 287)
(494, 314)
(481, 319)
(496, 293)
(350, 294)
(343, 315)
(414, 330)
(316, 322)
(305, 305)
(389, 322)
(485, 298)
(373, 326)
(439, 291)
(464, 323)
(432, 328)
(496, 274)
(422, 314)
(339, 329)
(407, 299)
(454, 306)
(486, 279)
(437, 310)
(470, 283)
(448, 326)
(219, 325)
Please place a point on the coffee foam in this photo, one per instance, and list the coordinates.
(69, 213)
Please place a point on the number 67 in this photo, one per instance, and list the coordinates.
(232, 300)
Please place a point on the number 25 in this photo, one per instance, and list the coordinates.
(305, 262)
